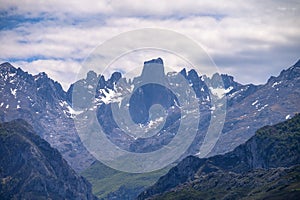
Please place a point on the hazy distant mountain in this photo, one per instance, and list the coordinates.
(31, 169)
(249, 107)
(262, 168)
(42, 103)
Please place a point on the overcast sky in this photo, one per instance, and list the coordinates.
(250, 40)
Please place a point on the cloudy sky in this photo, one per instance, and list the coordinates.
(251, 40)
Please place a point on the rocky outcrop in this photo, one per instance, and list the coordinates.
(153, 70)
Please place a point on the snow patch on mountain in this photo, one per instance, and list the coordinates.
(110, 96)
(13, 92)
(260, 109)
(276, 83)
(68, 110)
(255, 102)
(220, 92)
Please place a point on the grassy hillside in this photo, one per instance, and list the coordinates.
(108, 181)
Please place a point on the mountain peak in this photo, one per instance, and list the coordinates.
(41, 75)
(157, 61)
(6, 64)
(91, 75)
(297, 64)
(153, 71)
(7, 67)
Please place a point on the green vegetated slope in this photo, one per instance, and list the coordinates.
(110, 183)
(266, 167)
(272, 184)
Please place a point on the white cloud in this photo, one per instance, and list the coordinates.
(236, 34)
(120, 8)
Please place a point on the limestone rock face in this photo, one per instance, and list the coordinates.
(153, 71)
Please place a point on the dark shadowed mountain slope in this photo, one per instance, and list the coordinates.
(271, 147)
(31, 169)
